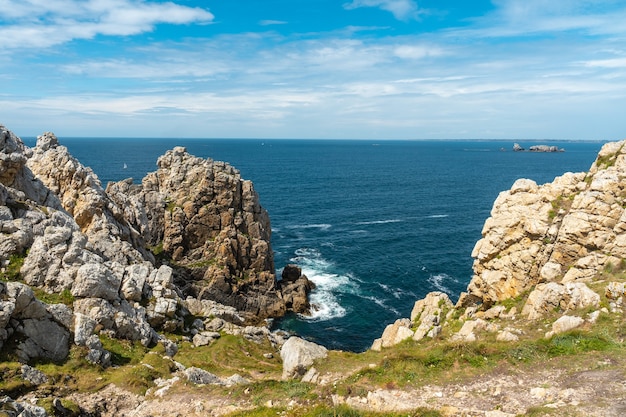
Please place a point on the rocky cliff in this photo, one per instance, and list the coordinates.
(540, 329)
(550, 246)
(190, 241)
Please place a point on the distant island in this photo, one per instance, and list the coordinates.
(538, 148)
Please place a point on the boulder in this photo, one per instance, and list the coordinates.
(564, 324)
(44, 339)
(201, 377)
(298, 355)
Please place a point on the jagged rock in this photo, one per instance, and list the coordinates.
(428, 312)
(44, 338)
(62, 314)
(466, 334)
(209, 219)
(209, 308)
(171, 348)
(33, 376)
(96, 281)
(393, 334)
(299, 354)
(134, 280)
(545, 148)
(91, 242)
(82, 196)
(564, 324)
(295, 288)
(97, 354)
(84, 327)
(548, 297)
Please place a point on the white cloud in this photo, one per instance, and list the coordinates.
(530, 17)
(272, 22)
(417, 52)
(619, 63)
(401, 9)
(44, 23)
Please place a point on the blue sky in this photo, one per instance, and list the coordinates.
(370, 69)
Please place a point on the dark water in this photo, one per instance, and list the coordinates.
(376, 225)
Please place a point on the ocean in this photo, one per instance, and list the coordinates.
(375, 224)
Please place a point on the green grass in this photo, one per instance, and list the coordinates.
(232, 354)
(64, 297)
(12, 271)
(331, 411)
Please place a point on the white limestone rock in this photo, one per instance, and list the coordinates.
(565, 324)
(553, 296)
(298, 355)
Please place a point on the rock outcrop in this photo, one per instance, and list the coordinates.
(565, 231)
(547, 245)
(131, 260)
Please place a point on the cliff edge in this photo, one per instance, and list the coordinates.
(190, 242)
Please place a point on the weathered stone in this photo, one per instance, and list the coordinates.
(43, 339)
(564, 324)
(299, 354)
(614, 290)
(506, 336)
(535, 232)
(96, 281)
(205, 338)
(428, 312)
(551, 296)
(83, 328)
(33, 376)
(200, 376)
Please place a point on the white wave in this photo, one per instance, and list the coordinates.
(437, 216)
(437, 281)
(397, 293)
(321, 226)
(379, 222)
(381, 303)
(329, 285)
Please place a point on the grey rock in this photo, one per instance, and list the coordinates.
(62, 314)
(44, 339)
(33, 376)
(134, 280)
(83, 328)
(96, 281)
(200, 376)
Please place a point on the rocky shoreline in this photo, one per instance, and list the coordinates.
(131, 260)
(183, 261)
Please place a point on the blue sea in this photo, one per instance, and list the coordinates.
(376, 225)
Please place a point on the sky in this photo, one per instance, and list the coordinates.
(345, 69)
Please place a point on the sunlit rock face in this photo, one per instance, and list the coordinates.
(565, 231)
